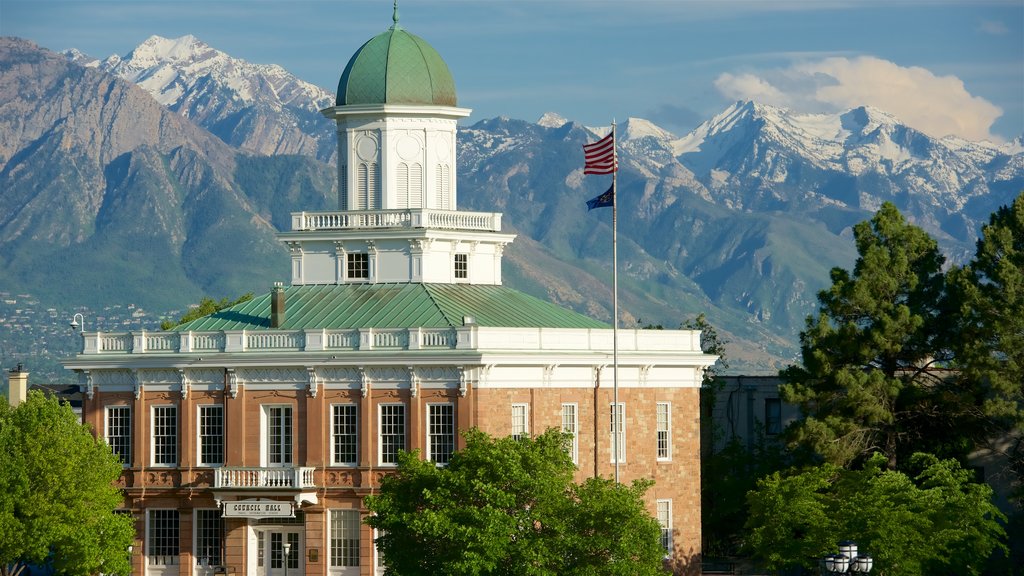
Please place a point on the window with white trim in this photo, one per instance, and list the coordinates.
(165, 435)
(380, 567)
(357, 265)
(440, 432)
(162, 537)
(211, 434)
(461, 266)
(664, 416)
(664, 513)
(344, 435)
(520, 421)
(209, 534)
(118, 433)
(571, 425)
(277, 429)
(391, 432)
(617, 431)
(344, 539)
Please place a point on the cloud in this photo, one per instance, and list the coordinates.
(993, 27)
(935, 105)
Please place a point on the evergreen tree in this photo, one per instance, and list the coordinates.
(869, 380)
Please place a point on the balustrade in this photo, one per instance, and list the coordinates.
(263, 477)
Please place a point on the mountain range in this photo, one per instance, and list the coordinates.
(161, 176)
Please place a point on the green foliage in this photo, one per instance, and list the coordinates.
(57, 497)
(206, 307)
(510, 507)
(869, 380)
(935, 521)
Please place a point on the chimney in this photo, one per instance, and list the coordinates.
(277, 306)
(17, 385)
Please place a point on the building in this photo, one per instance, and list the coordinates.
(251, 436)
(748, 410)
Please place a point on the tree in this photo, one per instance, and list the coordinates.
(934, 522)
(206, 307)
(871, 378)
(508, 506)
(57, 494)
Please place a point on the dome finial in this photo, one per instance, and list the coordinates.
(394, 15)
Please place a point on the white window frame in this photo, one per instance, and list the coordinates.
(154, 561)
(200, 461)
(287, 441)
(621, 419)
(571, 425)
(380, 432)
(163, 460)
(460, 265)
(337, 522)
(197, 527)
(379, 568)
(350, 264)
(335, 436)
(520, 420)
(663, 511)
(663, 434)
(446, 432)
(126, 458)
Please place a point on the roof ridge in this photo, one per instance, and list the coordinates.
(430, 294)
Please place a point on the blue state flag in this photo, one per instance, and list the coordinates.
(605, 200)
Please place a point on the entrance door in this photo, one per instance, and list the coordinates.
(270, 551)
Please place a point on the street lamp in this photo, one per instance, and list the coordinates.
(287, 552)
(75, 323)
(847, 561)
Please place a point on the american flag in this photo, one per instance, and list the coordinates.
(600, 156)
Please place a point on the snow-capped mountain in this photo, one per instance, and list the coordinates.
(257, 107)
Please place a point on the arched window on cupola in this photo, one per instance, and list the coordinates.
(343, 187)
(444, 187)
(368, 186)
(410, 185)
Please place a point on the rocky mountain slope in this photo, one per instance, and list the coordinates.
(108, 195)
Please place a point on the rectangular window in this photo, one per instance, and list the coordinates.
(664, 415)
(440, 432)
(357, 265)
(392, 432)
(211, 435)
(772, 416)
(571, 425)
(520, 420)
(665, 521)
(461, 266)
(119, 432)
(279, 435)
(344, 538)
(209, 538)
(617, 432)
(345, 427)
(380, 566)
(162, 537)
(165, 435)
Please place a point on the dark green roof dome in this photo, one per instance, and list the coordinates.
(396, 67)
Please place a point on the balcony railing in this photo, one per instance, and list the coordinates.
(403, 219)
(260, 477)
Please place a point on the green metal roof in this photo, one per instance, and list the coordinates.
(351, 306)
(396, 67)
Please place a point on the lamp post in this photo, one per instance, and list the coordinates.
(287, 552)
(75, 321)
(847, 561)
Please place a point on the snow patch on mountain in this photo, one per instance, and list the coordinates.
(552, 120)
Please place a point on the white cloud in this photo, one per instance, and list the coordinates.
(993, 27)
(935, 105)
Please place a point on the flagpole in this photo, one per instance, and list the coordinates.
(616, 416)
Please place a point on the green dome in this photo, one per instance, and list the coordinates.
(396, 67)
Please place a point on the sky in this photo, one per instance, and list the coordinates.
(945, 67)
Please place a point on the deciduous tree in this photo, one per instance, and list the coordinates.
(57, 494)
(934, 520)
(510, 507)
